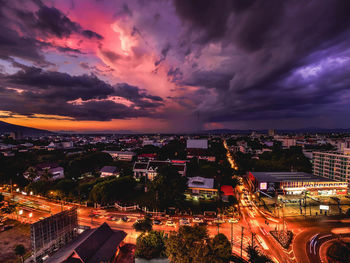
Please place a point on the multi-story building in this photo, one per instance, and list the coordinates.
(332, 165)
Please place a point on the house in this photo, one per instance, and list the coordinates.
(109, 171)
(146, 156)
(97, 245)
(200, 154)
(120, 155)
(56, 171)
(150, 169)
(201, 188)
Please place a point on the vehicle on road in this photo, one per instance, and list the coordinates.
(125, 219)
(197, 220)
(157, 222)
(219, 220)
(233, 220)
(170, 223)
(184, 222)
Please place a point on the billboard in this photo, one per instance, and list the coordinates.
(53, 232)
(324, 207)
(263, 186)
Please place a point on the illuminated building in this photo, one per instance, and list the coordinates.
(295, 183)
(332, 165)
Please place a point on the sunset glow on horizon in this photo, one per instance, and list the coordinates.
(168, 66)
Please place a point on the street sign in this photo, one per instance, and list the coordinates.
(324, 207)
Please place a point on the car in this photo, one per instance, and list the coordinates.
(219, 221)
(184, 222)
(233, 220)
(157, 222)
(125, 219)
(197, 220)
(170, 223)
(42, 218)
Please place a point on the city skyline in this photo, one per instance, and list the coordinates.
(174, 66)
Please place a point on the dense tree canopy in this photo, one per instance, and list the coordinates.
(193, 245)
(168, 188)
(110, 191)
(143, 225)
(150, 245)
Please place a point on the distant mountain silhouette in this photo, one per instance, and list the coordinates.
(7, 128)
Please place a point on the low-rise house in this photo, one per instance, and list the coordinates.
(121, 155)
(201, 188)
(56, 171)
(97, 245)
(109, 171)
(200, 154)
(150, 169)
(147, 156)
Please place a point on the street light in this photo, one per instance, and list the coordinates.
(20, 212)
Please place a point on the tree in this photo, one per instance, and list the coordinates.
(112, 190)
(150, 245)
(39, 187)
(32, 173)
(187, 245)
(144, 225)
(255, 256)
(46, 175)
(20, 251)
(221, 248)
(168, 188)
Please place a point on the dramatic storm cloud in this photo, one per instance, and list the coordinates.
(176, 65)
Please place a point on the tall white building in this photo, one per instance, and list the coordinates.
(332, 165)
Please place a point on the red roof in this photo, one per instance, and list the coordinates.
(227, 189)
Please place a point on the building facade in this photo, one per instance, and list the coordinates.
(332, 165)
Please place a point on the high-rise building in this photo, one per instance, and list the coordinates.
(271, 132)
(332, 165)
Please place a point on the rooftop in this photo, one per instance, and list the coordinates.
(200, 182)
(92, 246)
(288, 177)
(108, 169)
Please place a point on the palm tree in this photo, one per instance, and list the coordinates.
(20, 251)
(32, 173)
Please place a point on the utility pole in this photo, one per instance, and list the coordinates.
(242, 240)
(231, 233)
(253, 234)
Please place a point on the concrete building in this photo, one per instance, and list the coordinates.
(109, 171)
(295, 183)
(197, 144)
(332, 165)
(120, 155)
(201, 188)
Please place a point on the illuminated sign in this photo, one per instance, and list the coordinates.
(324, 207)
(263, 186)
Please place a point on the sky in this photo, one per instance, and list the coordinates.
(174, 65)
